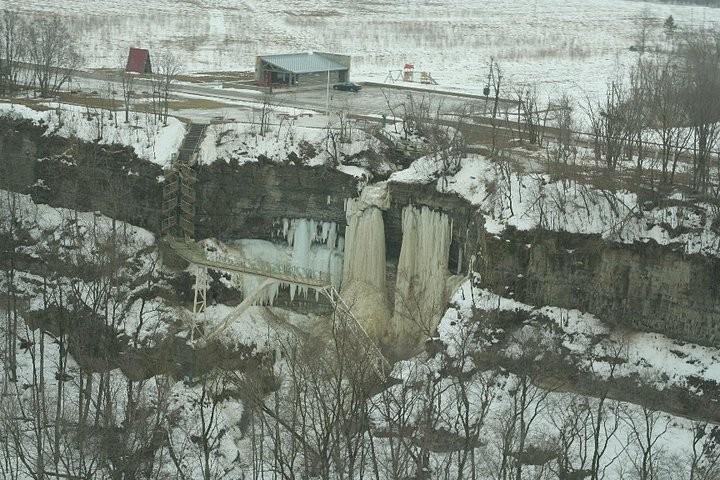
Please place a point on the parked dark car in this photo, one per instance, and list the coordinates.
(347, 87)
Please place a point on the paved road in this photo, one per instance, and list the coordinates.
(371, 100)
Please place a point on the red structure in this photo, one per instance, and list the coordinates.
(408, 72)
(139, 61)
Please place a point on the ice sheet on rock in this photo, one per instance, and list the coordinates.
(314, 251)
(364, 286)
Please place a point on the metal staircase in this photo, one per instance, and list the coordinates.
(191, 144)
(178, 204)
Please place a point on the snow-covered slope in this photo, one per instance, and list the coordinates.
(284, 141)
(534, 200)
(150, 139)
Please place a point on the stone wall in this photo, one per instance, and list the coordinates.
(643, 286)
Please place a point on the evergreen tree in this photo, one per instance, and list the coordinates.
(670, 26)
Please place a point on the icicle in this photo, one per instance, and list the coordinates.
(286, 227)
(331, 239)
(326, 232)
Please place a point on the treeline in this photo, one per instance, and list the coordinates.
(40, 53)
(658, 121)
(704, 3)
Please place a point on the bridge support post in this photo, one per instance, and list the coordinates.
(200, 288)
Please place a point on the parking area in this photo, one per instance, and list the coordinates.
(375, 100)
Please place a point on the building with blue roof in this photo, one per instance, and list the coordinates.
(303, 69)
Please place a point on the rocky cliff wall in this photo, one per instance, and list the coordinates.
(246, 201)
(79, 175)
(642, 286)
(467, 224)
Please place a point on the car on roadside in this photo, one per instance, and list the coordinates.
(347, 87)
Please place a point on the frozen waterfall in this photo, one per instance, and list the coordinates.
(422, 272)
(364, 287)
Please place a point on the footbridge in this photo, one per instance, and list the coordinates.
(272, 277)
(198, 256)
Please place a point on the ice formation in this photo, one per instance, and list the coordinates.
(316, 248)
(313, 250)
(422, 272)
(363, 286)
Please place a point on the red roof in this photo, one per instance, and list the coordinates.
(138, 61)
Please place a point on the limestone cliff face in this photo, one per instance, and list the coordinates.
(643, 286)
(79, 175)
(244, 201)
(234, 201)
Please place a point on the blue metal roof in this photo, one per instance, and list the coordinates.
(303, 62)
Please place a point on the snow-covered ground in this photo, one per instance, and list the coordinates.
(560, 45)
(494, 400)
(423, 381)
(655, 359)
(534, 200)
(76, 238)
(150, 139)
(285, 139)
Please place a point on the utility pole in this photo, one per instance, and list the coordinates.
(327, 97)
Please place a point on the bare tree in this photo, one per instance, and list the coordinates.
(473, 392)
(52, 50)
(701, 56)
(572, 420)
(266, 111)
(605, 420)
(564, 150)
(609, 125)
(318, 424)
(12, 49)
(495, 80)
(530, 114)
(704, 457)
(128, 84)
(667, 115)
(167, 68)
(645, 24)
(646, 428)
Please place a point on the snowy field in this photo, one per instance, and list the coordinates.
(559, 44)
